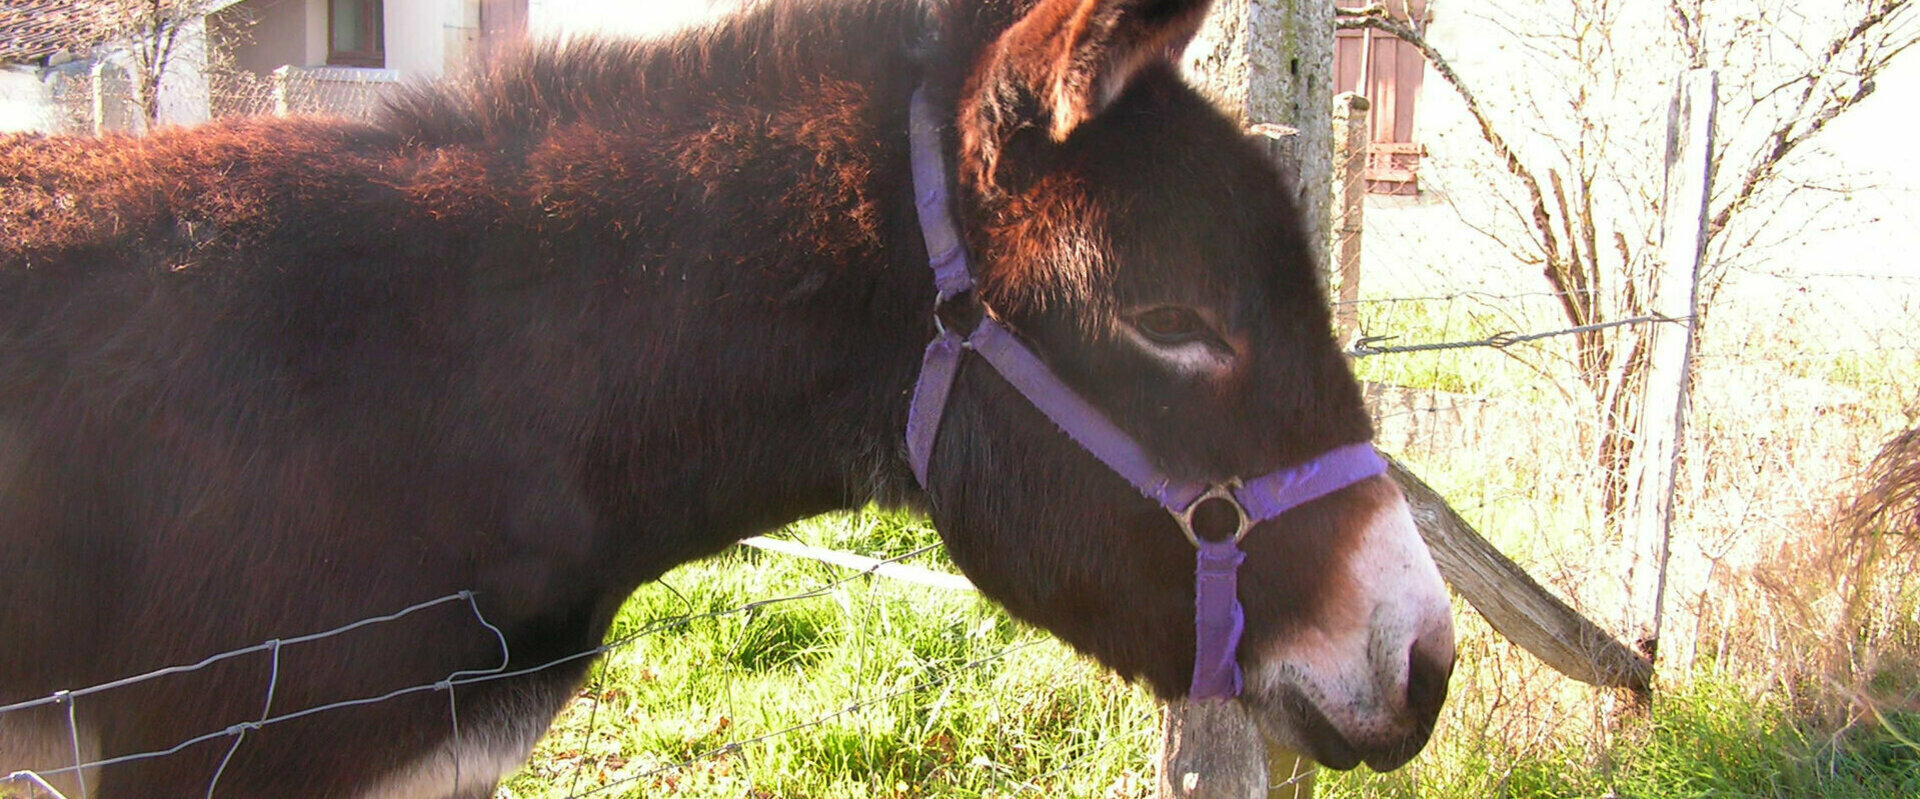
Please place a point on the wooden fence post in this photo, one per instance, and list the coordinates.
(1662, 418)
(1213, 750)
(1518, 607)
(1350, 137)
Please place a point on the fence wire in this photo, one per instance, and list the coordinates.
(1370, 345)
(68, 698)
(273, 647)
(103, 98)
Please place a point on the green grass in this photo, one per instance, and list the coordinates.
(876, 688)
(872, 688)
(1705, 740)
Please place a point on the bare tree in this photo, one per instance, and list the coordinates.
(1582, 183)
(156, 37)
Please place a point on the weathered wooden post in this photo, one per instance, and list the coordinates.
(1513, 603)
(1350, 137)
(1214, 751)
(1663, 406)
(1269, 62)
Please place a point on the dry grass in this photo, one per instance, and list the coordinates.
(1791, 636)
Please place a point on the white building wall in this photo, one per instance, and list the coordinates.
(317, 32)
(275, 34)
(416, 40)
(24, 104)
(184, 99)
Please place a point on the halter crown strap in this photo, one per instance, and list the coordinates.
(946, 250)
(947, 254)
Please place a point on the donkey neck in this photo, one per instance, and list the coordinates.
(774, 277)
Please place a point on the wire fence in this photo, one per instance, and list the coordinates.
(103, 97)
(42, 782)
(1437, 314)
(1376, 345)
(67, 698)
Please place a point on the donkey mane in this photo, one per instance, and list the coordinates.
(767, 51)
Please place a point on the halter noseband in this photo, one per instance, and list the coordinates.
(1218, 617)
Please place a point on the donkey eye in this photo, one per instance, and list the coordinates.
(1172, 325)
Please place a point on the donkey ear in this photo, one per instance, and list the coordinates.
(1067, 60)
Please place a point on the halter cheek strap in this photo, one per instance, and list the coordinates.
(1218, 618)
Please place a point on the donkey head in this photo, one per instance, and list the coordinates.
(1135, 239)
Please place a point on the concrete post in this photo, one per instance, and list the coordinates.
(97, 98)
(281, 76)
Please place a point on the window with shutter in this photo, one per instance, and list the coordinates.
(356, 33)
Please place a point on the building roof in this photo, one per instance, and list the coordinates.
(31, 30)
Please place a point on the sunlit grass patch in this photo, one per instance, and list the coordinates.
(1705, 739)
(866, 688)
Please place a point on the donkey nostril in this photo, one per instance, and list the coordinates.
(1429, 666)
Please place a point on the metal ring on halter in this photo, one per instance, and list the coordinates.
(1221, 492)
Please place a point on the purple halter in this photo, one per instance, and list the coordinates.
(1218, 618)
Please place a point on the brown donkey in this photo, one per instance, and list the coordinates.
(607, 307)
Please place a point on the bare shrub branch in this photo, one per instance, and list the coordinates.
(152, 34)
